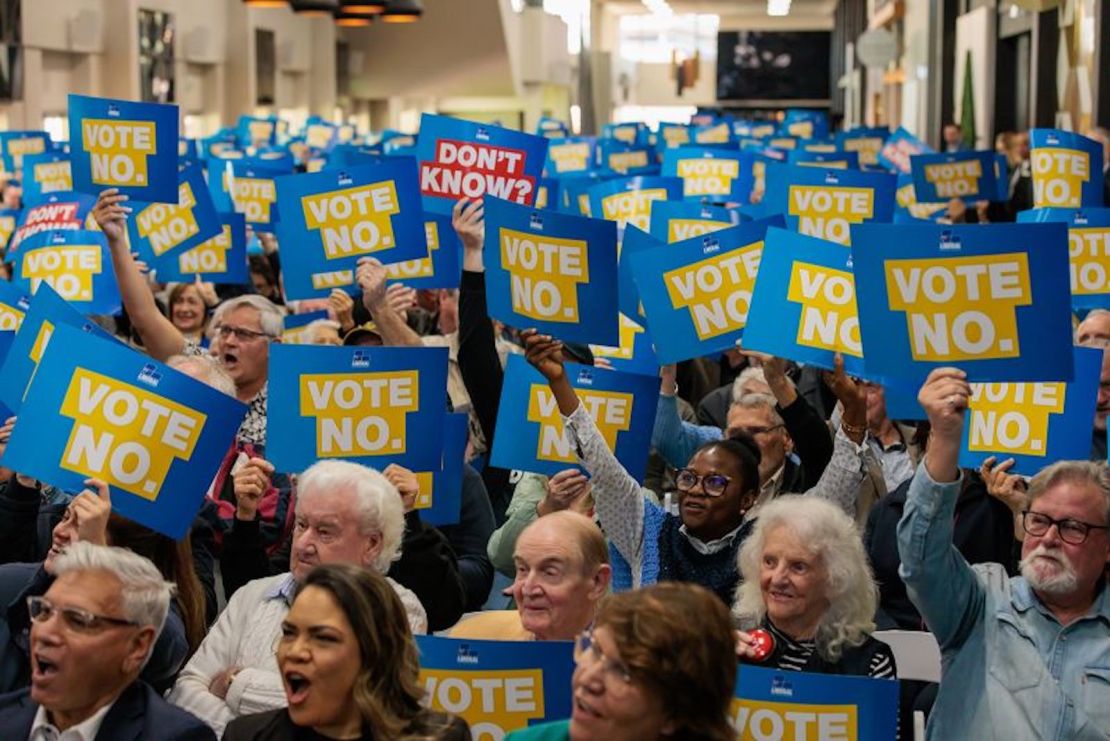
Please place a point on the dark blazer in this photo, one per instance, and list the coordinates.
(139, 714)
(276, 725)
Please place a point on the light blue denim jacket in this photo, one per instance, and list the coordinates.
(1010, 671)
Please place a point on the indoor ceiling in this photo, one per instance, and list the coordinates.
(807, 8)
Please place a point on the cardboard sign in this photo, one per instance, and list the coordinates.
(530, 432)
(9, 217)
(257, 132)
(775, 704)
(634, 354)
(45, 311)
(804, 303)
(626, 133)
(553, 272)
(548, 195)
(908, 209)
(573, 154)
(76, 264)
(369, 405)
(461, 159)
(805, 124)
(1037, 424)
(294, 326)
(829, 160)
(992, 300)
(1067, 169)
(442, 268)
(717, 133)
(675, 221)
(497, 686)
(1088, 251)
(99, 409)
(635, 241)
(552, 128)
(825, 203)
(45, 173)
(672, 135)
(969, 176)
(13, 306)
(163, 230)
(574, 193)
(333, 218)
(899, 147)
(697, 294)
(440, 497)
(616, 158)
(58, 211)
(15, 145)
(125, 145)
(221, 259)
(628, 200)
(864, 141)
(251, 191)
(714, 175)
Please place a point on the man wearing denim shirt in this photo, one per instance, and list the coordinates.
(1027, 657)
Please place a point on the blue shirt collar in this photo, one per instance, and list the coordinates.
(1023, 598)
(284, 590)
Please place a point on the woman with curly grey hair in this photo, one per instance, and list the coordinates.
(807, 586)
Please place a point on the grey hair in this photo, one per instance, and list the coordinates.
(1091, 473)
(377, 502)
(746, 376)
(270, 317)
(833, 537)
(210, 371)
(313, 327)
(144, 595)
(760, 401)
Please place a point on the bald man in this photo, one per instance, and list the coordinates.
(562, 572)
(1094, 330)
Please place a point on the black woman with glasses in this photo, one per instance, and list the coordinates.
(657, 663)
(716, 489)
(1025, 656)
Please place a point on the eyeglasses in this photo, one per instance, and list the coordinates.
(713, 484)
(74, 618)
(240, 333)
(754, 431)
(1074, 532)
(588, 653)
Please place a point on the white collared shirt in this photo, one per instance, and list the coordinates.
(43, 730)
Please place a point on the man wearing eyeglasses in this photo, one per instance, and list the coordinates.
(91, 634)
(1028, 656)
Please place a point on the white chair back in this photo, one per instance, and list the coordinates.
(916, 653)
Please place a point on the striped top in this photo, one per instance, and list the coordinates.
(793, 655)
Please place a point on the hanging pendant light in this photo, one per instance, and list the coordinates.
(403, 11)
(265, 3)
(363, 7)
(344, 19)
(314, 8)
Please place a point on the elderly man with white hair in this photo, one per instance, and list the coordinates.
(1025, 656)
(91, 634)
(345, 513)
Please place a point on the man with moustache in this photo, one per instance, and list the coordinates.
(1028, 656)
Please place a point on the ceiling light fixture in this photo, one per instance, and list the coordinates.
(314, 8)
(778, 7)
(403, 11)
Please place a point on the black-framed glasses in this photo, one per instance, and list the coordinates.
(588, 653)
(754, 430)
(74, 618)
(242, 334)
(713, 484)
(1071, 531)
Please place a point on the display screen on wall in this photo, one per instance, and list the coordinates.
(11, 50)
(773, 65)
(156, 42)
(265, 66)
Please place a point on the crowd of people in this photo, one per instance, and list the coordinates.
(785, 518)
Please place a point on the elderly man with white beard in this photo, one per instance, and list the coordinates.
(1028, 656)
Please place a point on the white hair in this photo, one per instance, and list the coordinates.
(315, 326)
(760, 401)
(270, 317)
(831, 536)
(209, 371)
(378, 502)
(144, 594)
(746, 376)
